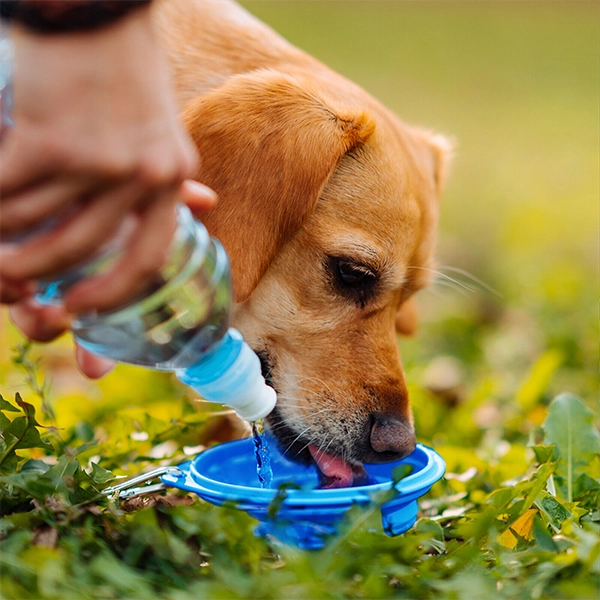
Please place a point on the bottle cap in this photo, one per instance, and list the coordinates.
(231, 375)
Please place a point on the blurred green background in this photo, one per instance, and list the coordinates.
(515, 84)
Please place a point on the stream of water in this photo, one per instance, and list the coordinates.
(263, 456)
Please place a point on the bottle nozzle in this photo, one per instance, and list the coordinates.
(231, 375)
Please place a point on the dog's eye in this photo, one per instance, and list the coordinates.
(354, 274)
(352, 280)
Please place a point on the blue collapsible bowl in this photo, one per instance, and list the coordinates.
(227, 474)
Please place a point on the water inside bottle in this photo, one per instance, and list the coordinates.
(262, 454)
(171, 328)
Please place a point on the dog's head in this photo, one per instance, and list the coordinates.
(328, 212)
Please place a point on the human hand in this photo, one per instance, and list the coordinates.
(45, 323)
(97, 142)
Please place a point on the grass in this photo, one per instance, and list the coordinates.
(504, 383)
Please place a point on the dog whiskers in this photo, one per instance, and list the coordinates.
(443, 279)
(312, 440)
(299, 382)
(297, 438)
(326, 448)
(439, 283)
(473, 278)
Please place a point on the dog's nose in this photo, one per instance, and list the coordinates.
(390, 437)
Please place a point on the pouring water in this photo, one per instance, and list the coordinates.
(262, 454)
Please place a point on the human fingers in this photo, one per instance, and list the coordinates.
(72, 240)
(143, 256)
(146, 252)
(26, 160)
(92, 366)
(45, 323)
(198, 197)
(37, 322)
(43, 205)
(13, 291)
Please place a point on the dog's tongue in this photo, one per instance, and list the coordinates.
(335, 472)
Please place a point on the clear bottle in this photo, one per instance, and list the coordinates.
(181, 324)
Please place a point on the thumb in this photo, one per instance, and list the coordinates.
(92, 366)
(198, 197)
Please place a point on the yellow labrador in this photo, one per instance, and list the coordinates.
(328, 209)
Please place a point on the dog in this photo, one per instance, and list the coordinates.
(328, 209)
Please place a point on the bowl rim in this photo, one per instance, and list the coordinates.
(417, 483)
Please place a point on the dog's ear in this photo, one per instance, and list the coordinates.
(442, 152)
(268, 144)
(433, 153)
(407, 318)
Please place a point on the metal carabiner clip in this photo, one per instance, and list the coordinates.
(126, 488)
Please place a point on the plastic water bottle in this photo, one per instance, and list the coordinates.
(180, 324)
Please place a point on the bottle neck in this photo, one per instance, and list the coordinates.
(231, 374)
(217, 361)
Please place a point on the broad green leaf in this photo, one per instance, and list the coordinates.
(536, 484)
(20, 433)
(501, 498)
(6, 406)
(553, 509)
(31, 483)
(585, 484)
(520, 498)
(27, 408)
(10, 461)
(4, 421)
(542, 535)
(569, 427)
(544, 454)
(62, 474)
(100, 475)
(431, 528)
(37, 466)
(400, 472)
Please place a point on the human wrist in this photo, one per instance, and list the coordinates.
(66, 16)
(112, 61)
